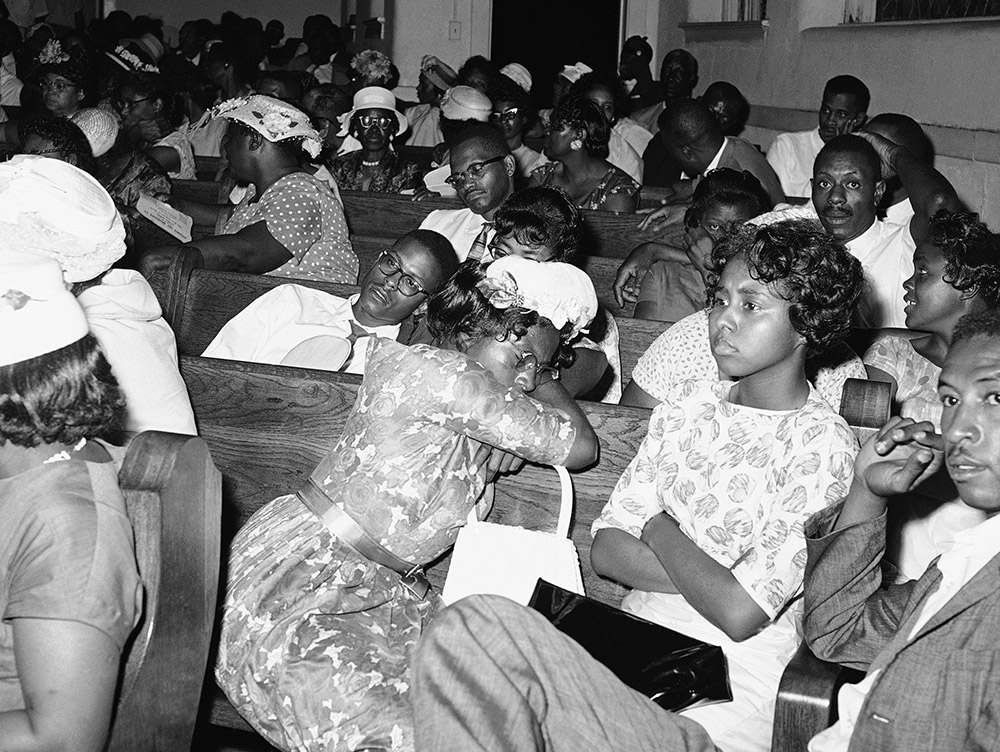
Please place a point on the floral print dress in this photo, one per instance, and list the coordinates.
(316, 639)
(614, 181)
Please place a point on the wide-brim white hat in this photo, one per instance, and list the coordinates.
(373, 98)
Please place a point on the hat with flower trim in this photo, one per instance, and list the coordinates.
(273, 119)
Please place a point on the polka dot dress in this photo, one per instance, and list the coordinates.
(304, 216)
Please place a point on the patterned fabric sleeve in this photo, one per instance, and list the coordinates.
(454, 391)
(820, 464)
(682, 352)
(293, 216)
(620, 181)
(888, 354)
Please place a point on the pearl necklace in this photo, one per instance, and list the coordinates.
(64, 455)
(366, 163)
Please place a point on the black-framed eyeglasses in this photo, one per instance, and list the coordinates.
(57, 86)
(369, 119)
(389, 266)
(128, 104)
(44, 152)
(474, 170)
(507, 115)
(543, 374)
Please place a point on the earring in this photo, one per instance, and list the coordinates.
(576, 144)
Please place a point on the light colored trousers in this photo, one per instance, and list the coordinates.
(492, 675)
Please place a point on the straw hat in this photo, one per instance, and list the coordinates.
(99, 126)
(518, 74)
(466, 103)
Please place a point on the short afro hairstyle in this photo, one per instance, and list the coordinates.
(809, 268)
(853, 146)
(728, 187)
(460, 311)
(849, 85)
(482, 65)
(982, 324)
(971, 253)
(542, 216)
(60, 397)
(575, 111)
(488, 136)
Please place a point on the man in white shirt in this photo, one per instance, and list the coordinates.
(843, 110)
(906, 132)
(492, 675)
(482, 173)
(297, 325)
(846, 189)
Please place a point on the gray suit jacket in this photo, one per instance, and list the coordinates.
(939, 691)
(740, 155)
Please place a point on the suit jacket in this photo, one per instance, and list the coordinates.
(739, 154)
(938, 691)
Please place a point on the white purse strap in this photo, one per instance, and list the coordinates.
(565, 503)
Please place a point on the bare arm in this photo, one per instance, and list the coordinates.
(252, 250)
(635, 266)
(586, 372)
(621, 202)
(166, 156)
(626, 559)
(635, 396)
(68, 672)
(585, 447)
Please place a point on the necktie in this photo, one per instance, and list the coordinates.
(479, 244)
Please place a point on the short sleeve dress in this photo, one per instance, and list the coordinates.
(316, 638)
(614, 181)
(303, 215)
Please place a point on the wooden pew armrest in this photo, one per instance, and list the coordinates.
(807, 699)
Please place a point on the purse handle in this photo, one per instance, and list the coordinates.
(565, 503)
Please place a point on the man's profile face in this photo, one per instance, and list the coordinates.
(969, 388)
(839, 114)
(845, 193)
(677, 80)
(484, 193)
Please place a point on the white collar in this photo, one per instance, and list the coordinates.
(865, 240)
(718, 156)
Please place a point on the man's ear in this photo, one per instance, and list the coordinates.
(510, 164)
(859, 120)
(879, 191)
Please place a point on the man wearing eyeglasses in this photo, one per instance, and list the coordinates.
(482, 172)
(297, 325)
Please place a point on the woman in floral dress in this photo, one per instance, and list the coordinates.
(316, 638)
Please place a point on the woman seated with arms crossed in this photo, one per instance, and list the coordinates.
(956, 271)
(316, 637)
(70, 594)
(706, 522)
(541, 223)
(375, 123)
(289, 224)
(577, 141)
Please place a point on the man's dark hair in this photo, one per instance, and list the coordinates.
(491, 138)
(481, 64)
(730, 188)
(728, 92)
(809, 268)
(542, 216)
(904, 131)
(849, 85)
(687, 121)
(439, 248)
(685, 57)
(853, 146)
(983, 324)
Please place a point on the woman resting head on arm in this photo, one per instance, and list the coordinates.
(70, 593)
(307, 616)
(706, 522)
(577, 141)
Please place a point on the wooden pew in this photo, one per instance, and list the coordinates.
(197, 303)
(206, 168)
(268, 426)
(173, 497)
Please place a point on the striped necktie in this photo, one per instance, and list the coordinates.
(479, 244)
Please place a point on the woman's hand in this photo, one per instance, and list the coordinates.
(497, 462)
(423, 192)
(658, 220)
(699, 249)
(151, 131)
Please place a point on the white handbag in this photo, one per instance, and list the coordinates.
(507, 560)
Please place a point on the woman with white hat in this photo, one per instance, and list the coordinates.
(375, 122)
(289, 224)
(69, 590)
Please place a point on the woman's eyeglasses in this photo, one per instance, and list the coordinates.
(474, 170)
(507, 115)
(57, 86)
(390, 267)
(382, 121)
(543, 374)
(127, 104)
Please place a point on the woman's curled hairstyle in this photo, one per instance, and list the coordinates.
(460, 311)
(809, 268)
(542, 216)
(60, 397)
(573, 110)
(971, 253)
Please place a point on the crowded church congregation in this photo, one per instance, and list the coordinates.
(412, 375)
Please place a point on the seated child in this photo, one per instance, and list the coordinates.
(543, 224)
(673, 279)
(297, 325)
(956, 271)
(706, 522)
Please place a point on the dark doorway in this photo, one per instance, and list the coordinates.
(545, 35)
